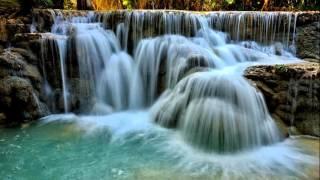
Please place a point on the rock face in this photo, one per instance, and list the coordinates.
(308, 41)
(20, 84)
(292, 93)
(9, 26)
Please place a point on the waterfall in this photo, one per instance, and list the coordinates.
(119, 85)
(54, 48)
(214, 112)
(56, 44)
(62, 51)
(185, 67)
(263, 27)
(92, 42)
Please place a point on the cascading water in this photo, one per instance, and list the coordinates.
(62, 52)
(117, 82)
(214, 112)
(92, 42)
(263, 27)
(56, 47)
(170, 82)
(127, 92)
(208, 47)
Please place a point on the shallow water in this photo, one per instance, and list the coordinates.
(127, 145)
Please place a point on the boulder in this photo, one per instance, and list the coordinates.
(292, 93)
(18, 101)
(13, 62)
(8, 29)
(20, 84)
(27, 55)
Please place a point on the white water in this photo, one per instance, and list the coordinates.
(281, 160)
(265, 27)
(171, 56)
(116, 81)
(127, 92)
(216, 111)
(62, 52)
(191, 83)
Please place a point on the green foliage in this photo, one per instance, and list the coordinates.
(206, 5)
(230, 1)
(281, 68)
(69, 4)
(127, 3)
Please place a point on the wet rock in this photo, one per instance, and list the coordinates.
(45, 17)
(26, 54)
(308, 41)
(11, 61)
(26, 37)
(293, 94)
(3, 30)
(18, 100)
(20, 84)
(281, 125)
(197, 60)
(80, 97)
(12, 22)
(32, 73)
(8, 31)
(305, 18)
(28, 45)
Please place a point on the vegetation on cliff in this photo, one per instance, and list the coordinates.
(206, 4)
(197, 5)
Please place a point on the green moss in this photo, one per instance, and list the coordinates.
(281, 68)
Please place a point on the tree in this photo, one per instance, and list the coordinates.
(84, 5)
(265, 5)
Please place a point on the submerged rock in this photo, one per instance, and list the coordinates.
(292, 93)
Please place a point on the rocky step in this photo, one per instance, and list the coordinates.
(292, 93)
(20, 87)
